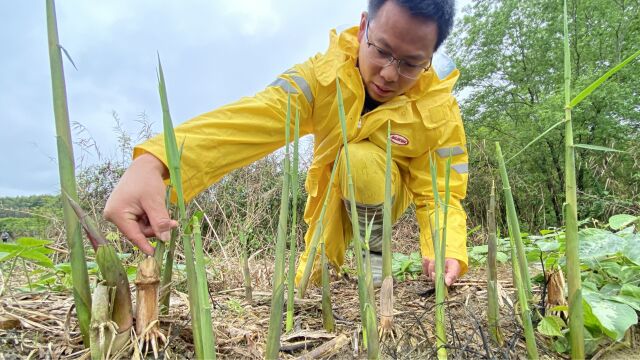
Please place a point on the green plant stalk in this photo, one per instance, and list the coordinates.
(439, 247)
(208, 336)
(304, 281)
(512, 221)
(386, 290)
(277, 299)
(160, 245)
(368, 272)
(66, 167)
(520, 273)
(492, 281)
(369, 322)
(294, 225)
(387, 256)
(244, 262)
(167, 273)
(576, 321)
(525, 311)
(173, 159)
(328, 322)
(26, 273)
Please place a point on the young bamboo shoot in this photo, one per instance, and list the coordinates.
(492, 282)
(294, 224)
(277, 297)
(66, 167)
(366, 310)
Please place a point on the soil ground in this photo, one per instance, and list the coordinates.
(47, 326)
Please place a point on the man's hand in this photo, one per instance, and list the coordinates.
(137, 204)
(452, 270)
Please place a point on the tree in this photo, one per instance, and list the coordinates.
(510, 56)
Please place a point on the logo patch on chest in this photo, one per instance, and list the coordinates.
(399, 140)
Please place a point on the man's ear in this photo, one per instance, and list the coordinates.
(363, 26)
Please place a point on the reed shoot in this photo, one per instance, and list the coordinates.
(294, 224)
(277, 298)
(66, 168)
(369, 322)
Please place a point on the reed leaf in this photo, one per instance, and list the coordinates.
(66, 168)
(277, 297)
(596, 148)
(536, 139)
(589, 89)
(369, 322)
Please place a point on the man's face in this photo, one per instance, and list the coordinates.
(396, 32)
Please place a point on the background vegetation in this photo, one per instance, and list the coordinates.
(510, 56)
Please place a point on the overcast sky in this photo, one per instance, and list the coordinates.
(213, 52)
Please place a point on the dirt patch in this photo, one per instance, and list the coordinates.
(49, 327)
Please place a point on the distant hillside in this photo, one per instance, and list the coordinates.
(23, 206)
(28, 215)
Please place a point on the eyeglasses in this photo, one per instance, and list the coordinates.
(384, 58)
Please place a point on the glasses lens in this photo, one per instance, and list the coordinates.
(412, 72)
(379, 56)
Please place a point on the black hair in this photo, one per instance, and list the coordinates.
(441, 12)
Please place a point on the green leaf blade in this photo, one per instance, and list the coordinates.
(586, 92)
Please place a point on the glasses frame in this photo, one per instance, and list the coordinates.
(391, 58)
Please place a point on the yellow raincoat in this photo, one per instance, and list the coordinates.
(426, 120)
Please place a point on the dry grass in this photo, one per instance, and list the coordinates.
(241, 328)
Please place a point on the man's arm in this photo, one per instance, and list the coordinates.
(213, 144)
(421, 187)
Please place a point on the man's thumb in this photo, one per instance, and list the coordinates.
(161, 223)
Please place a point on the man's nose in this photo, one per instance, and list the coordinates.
(390, 72)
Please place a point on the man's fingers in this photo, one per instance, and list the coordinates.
(429, 268)
(132, 231)
(160, 221)
(452, 271)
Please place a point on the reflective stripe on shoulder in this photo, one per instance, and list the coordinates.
(461, 168)
(453, 151)
(300, 82)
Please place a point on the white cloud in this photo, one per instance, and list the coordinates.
(254, 17)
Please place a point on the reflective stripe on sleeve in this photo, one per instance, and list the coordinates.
(300, 82)
(461, 168)
(284, 85)
(304, 86)
(456, 150)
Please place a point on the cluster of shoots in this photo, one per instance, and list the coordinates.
(106, 319)
(367, 312)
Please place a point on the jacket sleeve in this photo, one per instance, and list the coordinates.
(215, 143)
(452, 143)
